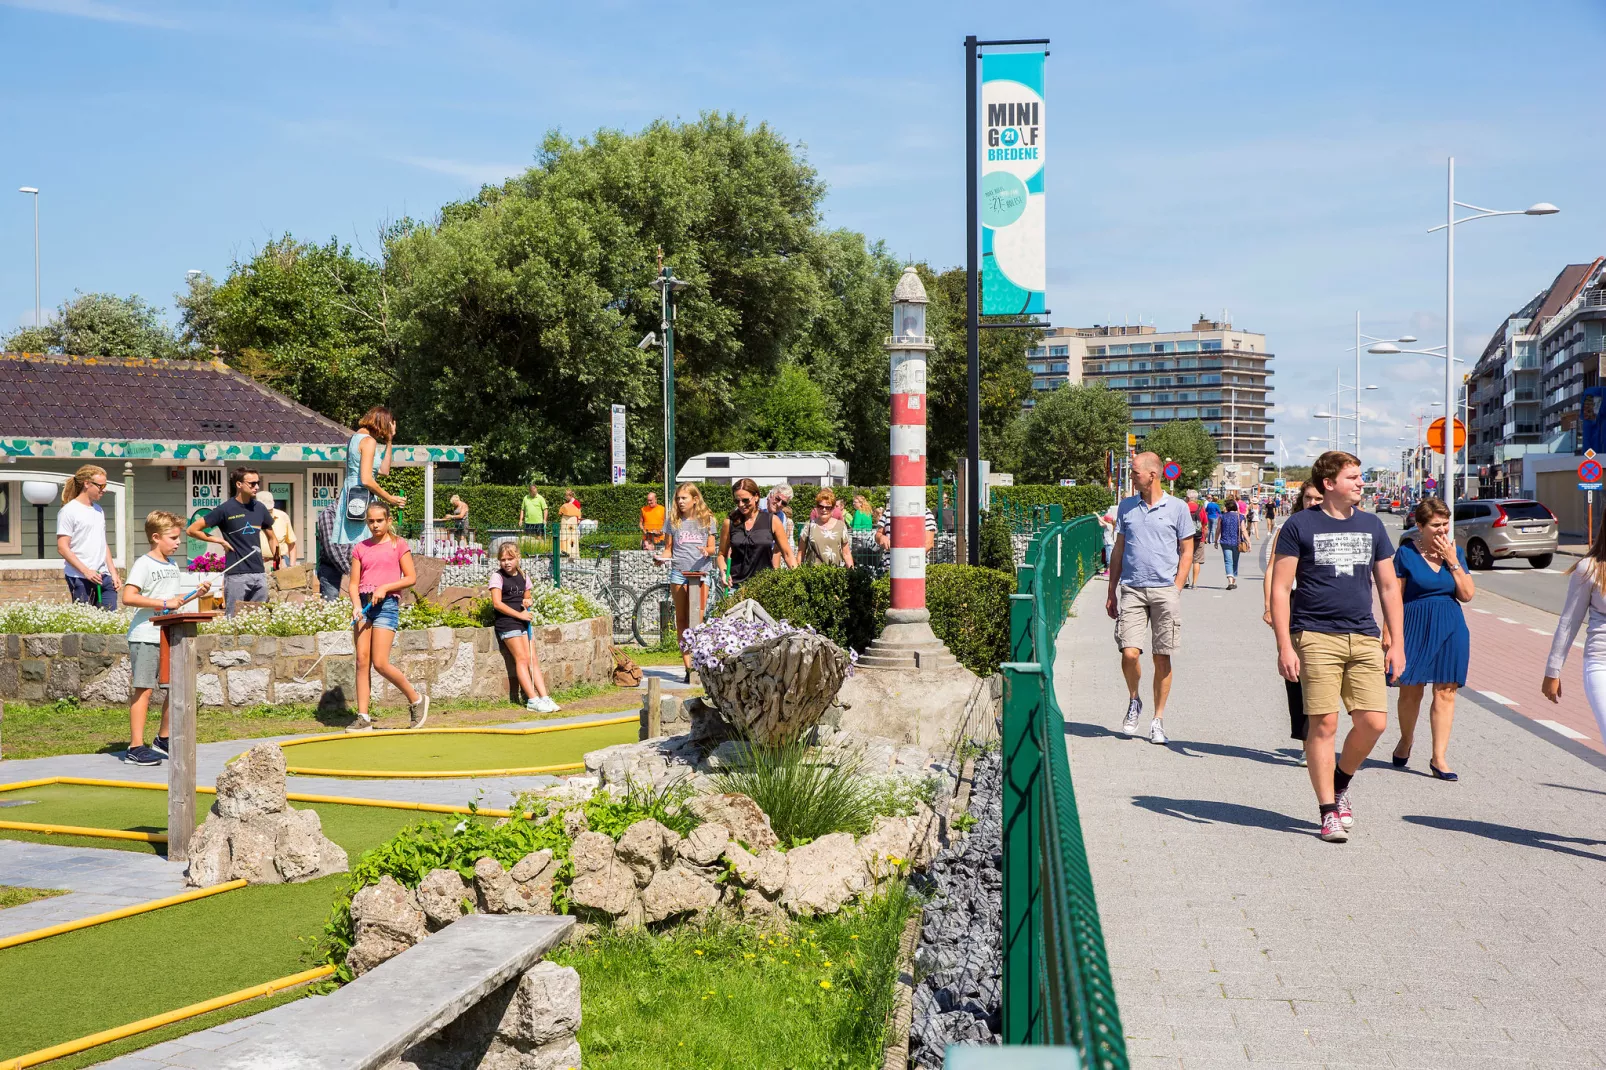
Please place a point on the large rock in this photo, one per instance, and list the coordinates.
(775, 690)
(252, 844)
(765, 872)
(823, 875)
(387, 921)
(252, 784)
(647, 847)
(602, 882)
(897, 842)
(302, 852)
(493, 889)
(747, 823)
(545, 1006)
(211, 856)
(532, 878)
(655, 762)
(441, 895)
(705, 844)
(677, 891)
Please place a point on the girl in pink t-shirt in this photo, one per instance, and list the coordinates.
(381, 567)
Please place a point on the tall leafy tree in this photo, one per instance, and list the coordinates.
(99, 325)
(787, 411)
(523, 307)
(1190, 445)
(1069, 431)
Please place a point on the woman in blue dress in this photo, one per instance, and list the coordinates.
(363, 465)
(1437, 644)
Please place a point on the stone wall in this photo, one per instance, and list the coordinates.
(239, 671)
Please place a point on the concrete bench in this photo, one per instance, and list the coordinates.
(380, 1015)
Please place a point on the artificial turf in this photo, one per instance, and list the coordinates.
(429, 752)
(81, 982)
(356, 828)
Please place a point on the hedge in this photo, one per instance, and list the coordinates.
(619, 506)
(969, 608)
(839, 603)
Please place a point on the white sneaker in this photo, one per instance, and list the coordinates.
(1156, 733)
(535, 704)
(1303, 761)
(363, 723)
(1134, 710)
(551, 705)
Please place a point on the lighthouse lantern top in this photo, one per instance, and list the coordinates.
(909, 308)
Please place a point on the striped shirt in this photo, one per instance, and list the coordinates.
(886, 522)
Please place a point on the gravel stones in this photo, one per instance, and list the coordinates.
(960, 958)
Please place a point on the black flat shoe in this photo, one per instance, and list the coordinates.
(1439, 774)
(1399, 763)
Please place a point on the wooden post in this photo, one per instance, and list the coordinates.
(655, 713)
(694, 599)
(179, 631)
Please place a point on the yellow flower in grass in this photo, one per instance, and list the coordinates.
(825, 984)
(696, 952)
(855, 936)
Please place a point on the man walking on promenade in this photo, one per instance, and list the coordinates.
(1327, 638)
(1152, 557)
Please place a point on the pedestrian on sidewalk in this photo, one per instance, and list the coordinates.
(1213, 514)
(1310, 497)
(1234, 538)
(1586, 596)
(752, 539)
(1327, 638)
(695, 535)
(1154, 538)
(1107, 529)
(381, 568)
(1437, 643)
(825, 539)
(1196, 512)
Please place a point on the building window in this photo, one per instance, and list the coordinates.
(10, 518)
(1058, 366)
(1039, 384)
(1140, 414)
(1095, 351)
(1140, 365)
(1187, 347)
(1162, 397)
(1165, 347)
(1036, 369)
(1059, 351)
(1210, 347)
(1141, 381)
(1038, 352)
(1118, 349)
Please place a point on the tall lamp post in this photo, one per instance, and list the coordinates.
(1448, 226)
(1403, 339)
(668, 286)
(38, 319)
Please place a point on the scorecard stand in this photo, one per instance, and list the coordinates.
(176, 672)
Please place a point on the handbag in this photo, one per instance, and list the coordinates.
(358, 499)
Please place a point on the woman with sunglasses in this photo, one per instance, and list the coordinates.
(752, 540)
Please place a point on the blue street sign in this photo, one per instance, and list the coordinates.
(1590, 486)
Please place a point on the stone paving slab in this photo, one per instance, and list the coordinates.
(1459, 927)
(100, 880)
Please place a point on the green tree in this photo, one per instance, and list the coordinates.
(99, 325)
(523, 307)
(1190, 445)
(1068, 433)
(1005, 382)
(785, 412)
(314, 321)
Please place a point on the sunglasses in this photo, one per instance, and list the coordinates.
(745, 501)
(97, 486)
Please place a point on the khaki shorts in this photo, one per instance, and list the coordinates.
(1155, 610)
(1348, 667)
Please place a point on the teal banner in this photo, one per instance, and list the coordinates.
(1014, 242)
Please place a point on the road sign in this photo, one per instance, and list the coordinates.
(1589, 472)
(1173, 470)
(1592, 487)
(1436, 435)
(1430, 484)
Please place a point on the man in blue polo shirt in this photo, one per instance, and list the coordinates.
(1153, 553)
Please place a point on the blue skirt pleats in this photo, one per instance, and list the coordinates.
(1437, 643)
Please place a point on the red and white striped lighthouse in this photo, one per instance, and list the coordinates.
(908, 348)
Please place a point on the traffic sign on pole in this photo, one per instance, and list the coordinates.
(1173, 470)
(1436, 435)
(1589, 472)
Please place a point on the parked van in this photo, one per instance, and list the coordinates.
(766, 469)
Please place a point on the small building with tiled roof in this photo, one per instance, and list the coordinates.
(165, 431)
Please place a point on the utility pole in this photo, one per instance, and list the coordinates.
(667, 286)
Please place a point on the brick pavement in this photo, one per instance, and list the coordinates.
(1459, 927)
(99, 881)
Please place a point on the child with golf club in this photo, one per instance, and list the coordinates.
(510, 587)
(381, 568)
(154, 585)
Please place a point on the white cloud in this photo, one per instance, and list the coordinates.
(94, 10)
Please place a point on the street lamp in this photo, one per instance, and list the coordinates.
(39, 494)
(1448, 226)
(38, 319)
(1408, 338)
(668, 286)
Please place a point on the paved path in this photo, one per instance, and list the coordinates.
(99, 880)
(1460, 926)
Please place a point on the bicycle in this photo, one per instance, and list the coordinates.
(648, 621)
(617, 597)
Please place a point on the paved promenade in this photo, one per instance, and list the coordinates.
(1461, 925)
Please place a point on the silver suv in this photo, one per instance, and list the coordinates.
(1488, 530)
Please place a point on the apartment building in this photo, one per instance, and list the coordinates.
(1211, 372)
(1570, 348)
(1056, 361)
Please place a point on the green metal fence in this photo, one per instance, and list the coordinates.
(1057, 987)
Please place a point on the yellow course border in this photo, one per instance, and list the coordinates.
(412, 774)
(145, 1025)
(116, 915)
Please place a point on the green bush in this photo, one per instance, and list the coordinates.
(836, 602)
(969, 608)
(996, 550)
(1078, 501)
(805, 795)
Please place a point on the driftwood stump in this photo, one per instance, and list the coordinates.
(775, 690)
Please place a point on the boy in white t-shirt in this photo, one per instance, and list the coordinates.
(154, 586)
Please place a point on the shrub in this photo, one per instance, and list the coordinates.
(969, 612)
(996, 550)
(285, 618)
(839, 603)
(29, 618)
(805, 795)
(1078, 501)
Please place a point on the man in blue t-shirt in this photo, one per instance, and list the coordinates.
(1327, 638)
(1150, 561)
(1213, 514)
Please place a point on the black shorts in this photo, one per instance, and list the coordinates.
(537, 530)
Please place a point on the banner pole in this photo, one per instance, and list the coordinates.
(972, 311)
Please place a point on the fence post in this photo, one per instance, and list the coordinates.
(1020, 627)
(1024, 776)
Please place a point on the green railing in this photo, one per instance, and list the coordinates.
(1057, 987)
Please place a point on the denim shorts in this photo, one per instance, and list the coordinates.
(385, 614)
(518, 633)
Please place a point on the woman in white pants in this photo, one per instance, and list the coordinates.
(1586, 596)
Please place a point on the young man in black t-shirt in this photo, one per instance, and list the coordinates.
(1327, 638)
(243, 524)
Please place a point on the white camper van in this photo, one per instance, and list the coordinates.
(766, 469)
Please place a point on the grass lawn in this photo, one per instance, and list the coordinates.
(356, 828)
(12, 895)
(730, 998)
(78, 983)
(45, 729)
(428, 752)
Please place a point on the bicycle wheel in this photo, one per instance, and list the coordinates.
(620, 601)
(647, 621)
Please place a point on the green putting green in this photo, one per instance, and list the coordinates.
(356, 828)
(79, 983)
(429, 752)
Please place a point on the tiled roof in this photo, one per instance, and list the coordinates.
(162, 400)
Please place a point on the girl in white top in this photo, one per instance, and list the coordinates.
(1586, 596)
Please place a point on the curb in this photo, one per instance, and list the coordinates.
(896, 1054)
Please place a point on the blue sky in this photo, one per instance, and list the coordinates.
(1281, 160)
